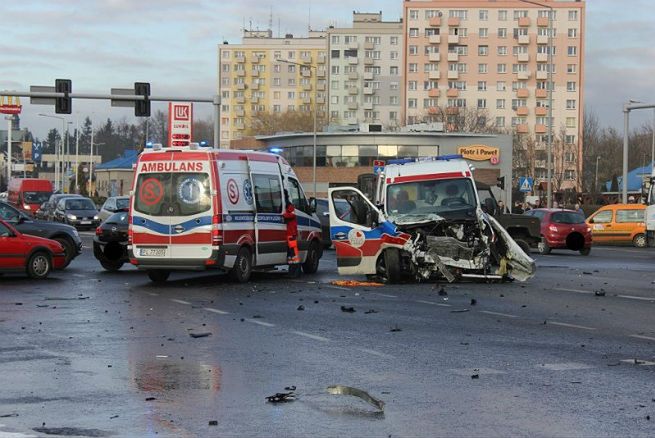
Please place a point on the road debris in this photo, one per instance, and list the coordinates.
(151, 398)
(213, 422)
(353, 283)
(290, 388)
(395, 329)
(348, 390)
(200, 335)
(460, 311)
(301, 307)
(474, 301)
(9, 415)
(281, 397)
(599, 293)
(369, 311)
(72, 431)
(347, 309)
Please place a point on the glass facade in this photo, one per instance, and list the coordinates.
(353, 155)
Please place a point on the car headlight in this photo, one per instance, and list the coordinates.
(95, 218)
(27, 207)
(71, 217)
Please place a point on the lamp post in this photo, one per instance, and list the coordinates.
(58, 150)
(596, 178)
(315, 68)
(551, 85)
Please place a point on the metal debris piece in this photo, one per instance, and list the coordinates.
(200, 335)
(213, 422)
(150, 398)
(395, 329)
(459, 311)
(348, 309)
(599, 293)
(348, 390)
(370, 311)
(474, 301)
(290, 388)
(301, 307)
(8, 415)
(281, 397)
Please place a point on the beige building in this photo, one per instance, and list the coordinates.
(365, 71)
(494, 56)
(252, 78)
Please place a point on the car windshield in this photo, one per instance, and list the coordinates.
(117, 218)
(567, 217)
(36, 197)
(430, 197)
(122, 203)
(172, 194)
(80, 204)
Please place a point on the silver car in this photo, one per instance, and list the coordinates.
(112, 205)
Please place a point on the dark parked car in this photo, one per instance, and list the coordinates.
(78, 212)
(110, 242)
(47, 212)
(562, 229)
(64, 234)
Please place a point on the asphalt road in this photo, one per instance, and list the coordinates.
(569, 353)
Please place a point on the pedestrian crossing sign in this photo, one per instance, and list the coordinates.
(525, 184)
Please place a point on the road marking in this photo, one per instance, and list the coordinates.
(79, 276)
(632, 297)
(564, 324)
(152, 294)
(479, 371)
(566, 366)
(377, 353)
(220, 312)
(648, 338)
(643, 363)
(577, 291)
(262, 323)
(433, 303)
(310, 336)
(506, 315)
(180, 301)
(386, 295)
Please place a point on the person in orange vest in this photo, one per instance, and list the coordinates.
(293, 255)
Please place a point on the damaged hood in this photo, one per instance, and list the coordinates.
(415, 219)
(520, 266)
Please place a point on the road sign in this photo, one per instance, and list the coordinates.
(180, 123)
(378, 166)
(42, 100)
(122, 92)
(525, 184)
(10, 105)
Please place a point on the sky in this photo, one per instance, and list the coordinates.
(103, 44)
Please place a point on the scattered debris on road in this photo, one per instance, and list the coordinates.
(72, 431)
(213, 422)
(353, 283)
(395, 329)
(348, 390)
(347, 309)
(369, 311)
(9, 415)
(281, 397)
(599, 293)
(460, 311)
(200, 335)
(301, 307)
(474, 301)
(290, 388)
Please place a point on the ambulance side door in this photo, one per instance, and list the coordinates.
(355, 229)
(270, 228)
(308, 226)
(238, 209)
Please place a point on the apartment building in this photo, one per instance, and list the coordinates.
(494, 56)
(365, 71)
(268, 74)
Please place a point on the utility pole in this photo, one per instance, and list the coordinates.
(9, 120)
(77, 155)
(91, 162)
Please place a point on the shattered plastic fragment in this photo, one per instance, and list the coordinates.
(347, 309)
(200, 335)
(348, 390)
(281, 397)
(353, 283)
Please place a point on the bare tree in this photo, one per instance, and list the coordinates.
(269, 123)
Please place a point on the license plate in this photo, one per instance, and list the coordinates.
(153, 252)
(85, 222)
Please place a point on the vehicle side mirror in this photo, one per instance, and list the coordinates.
(591, 220)
(312, 205)
(490, 206)
(371, 219)
(21, 219)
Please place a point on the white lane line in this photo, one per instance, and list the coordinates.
(643, 363)
(220, 312)
(79, 276)
(337, 287)
(310, 336)
(564, 324)
(386, 295)
(262, 323)
(377, 353)
(433, 303)
(566, 366)
(632, 297)
(577, 291)
(152, 294)
(180, 301)
(506, 315)
(648, 338)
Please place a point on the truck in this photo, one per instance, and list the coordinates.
(27, 194)
(425, 221)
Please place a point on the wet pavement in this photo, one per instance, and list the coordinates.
(570, 353)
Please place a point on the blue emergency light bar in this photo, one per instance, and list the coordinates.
(418, 160)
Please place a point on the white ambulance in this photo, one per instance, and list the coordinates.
(198, 208)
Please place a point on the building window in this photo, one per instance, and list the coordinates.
(393, 100)
(413, 67)
(572, 51)
(502, 68)
(502, 50)
(413, 50)
(570, 86)
(569, 139)
(393, 70)
(413, 32)
(500, 103)
(483, 15)
(482, 103)
(483, 68)
(502, 15)
(500, 122)
(570, 104)
(483, 50)
(571, 68)
(393, 55)
(573, 33)
(502, 32)
(458, 13)
(483, 32)
(412, 85)
(501, 86)
(413, 14)
(393, 40)
(520, 13)
(573, 15)
(482, 85)
(570, 122)
(412, 103)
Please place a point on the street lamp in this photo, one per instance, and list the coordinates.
(313, 67)
(551, 85)
(58, 172)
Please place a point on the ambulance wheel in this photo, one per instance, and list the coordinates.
(313, 257)
(390, 269)
(158, 275)
(242, 268)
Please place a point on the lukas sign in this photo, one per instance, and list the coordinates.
(180, 123)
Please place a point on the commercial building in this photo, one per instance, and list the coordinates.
(493, 56)
(114, 178)
(365, 71)
(253, 77)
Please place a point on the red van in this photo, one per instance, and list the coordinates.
(27, 194)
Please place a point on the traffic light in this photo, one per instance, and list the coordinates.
(142, 107)
(501, 182)
(63, 105)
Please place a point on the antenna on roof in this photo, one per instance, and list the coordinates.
(270, 20)
(309, 17)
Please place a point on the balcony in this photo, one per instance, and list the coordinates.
(434, 92)
(240, 113)
(306, 73)
(453, 39)
(523, 75)
(353, 76)
(241, 73)
(524, 39)
(433, 110)
(369, 90)
(541, 111)
(540, 93)
(307, 100)
(320, 72)
(540, 129)
(254, 99)
(452, 92)
(542, 21)
(307, 87)
(368, 105)
(454, 22)
(239, 125)
(255, 59)
(322, 59)
(453, 74)
(241, 100)
(541, 164)
(522, 93)
(241, 86)
(452, 110)
(353, 91)
(254, 73)
(453, 56)
(368, 76)
(368, 61)
(240, 59)
(524, 57)
(542, 75)
(369, 46)
(522, 111)
(522, 129)
(542, 39)
(434, 39)
(320, 87)
(353, 60)
(352, 106)
(353, 46)
(524, 22)
(434, 57)
(434, 74)
(306, 59)
(435, 21)
(542, 57)
(320, 100)
(254, 86)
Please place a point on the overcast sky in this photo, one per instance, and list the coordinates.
(172, 44)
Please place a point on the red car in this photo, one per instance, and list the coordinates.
(24, 253)
(562, 229)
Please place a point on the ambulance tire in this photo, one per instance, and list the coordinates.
(313, 257)
(242, 268)
(158, 275)
(392, 265)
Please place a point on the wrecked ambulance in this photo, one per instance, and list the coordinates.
(425, 222)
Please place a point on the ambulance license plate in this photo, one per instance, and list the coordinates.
(85, 222)
(153, 252)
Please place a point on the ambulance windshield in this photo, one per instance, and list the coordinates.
(172, 194)
(423, 198)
